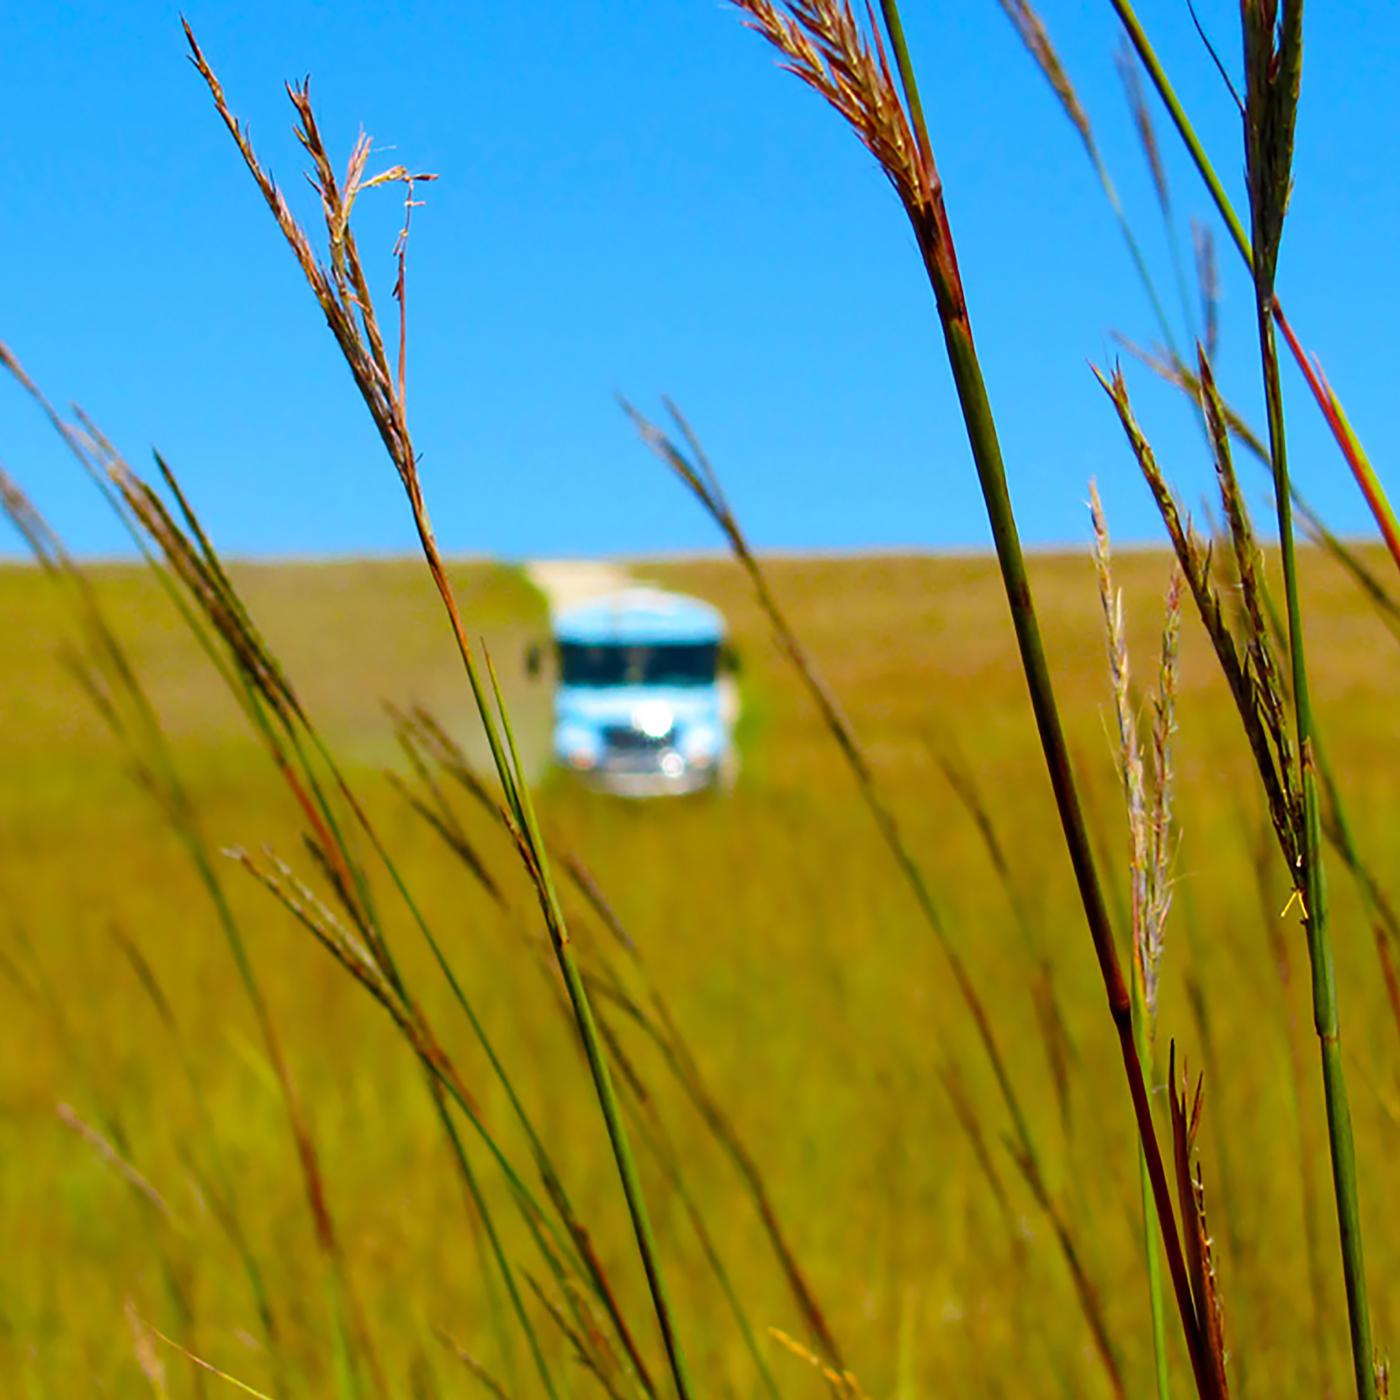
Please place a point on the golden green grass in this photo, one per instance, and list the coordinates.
(792, 956)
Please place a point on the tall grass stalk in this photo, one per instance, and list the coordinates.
(1036, 38)
(260, 687)
(1273, 48)
(136, 725)
(821, 41)
(1336, 824)
(691, 465)
(1352, 451)
(420, 731)
(1295, 1049)
(344, 297)
(1149, 859)
(1286, 769)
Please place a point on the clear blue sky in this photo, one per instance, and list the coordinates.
(632, 198)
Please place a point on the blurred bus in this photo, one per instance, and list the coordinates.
(644, 704)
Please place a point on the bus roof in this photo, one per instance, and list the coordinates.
(639, 617)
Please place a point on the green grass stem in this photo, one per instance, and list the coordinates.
(986, 450)
(940, 261)
(1313, 887)
(1273, 60)
(1151, 1226)
(697, 473)
(597, 1060)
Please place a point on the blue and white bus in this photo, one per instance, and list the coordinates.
(643, 705)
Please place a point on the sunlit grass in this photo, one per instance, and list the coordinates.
(797, 966)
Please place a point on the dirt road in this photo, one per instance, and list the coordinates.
(566, 582)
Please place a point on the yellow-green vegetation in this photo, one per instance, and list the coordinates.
(790, 952)
(305, 1101)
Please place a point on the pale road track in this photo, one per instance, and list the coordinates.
(566, 582)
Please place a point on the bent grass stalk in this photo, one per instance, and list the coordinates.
(343, 295)
(202, 1365)
(263, 692)
(146, 741)
(697, 473)
(422, 729)
(1033, 33)
(1147, 139)
(1036, 38)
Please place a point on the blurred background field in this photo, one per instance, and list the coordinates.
(790, 952)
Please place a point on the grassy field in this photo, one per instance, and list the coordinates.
(791, 955)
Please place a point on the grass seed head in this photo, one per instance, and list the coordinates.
(826, 46)
(1036, 38)
(1142, 120)
(1273, 65)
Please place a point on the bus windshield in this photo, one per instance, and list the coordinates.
(668, 663)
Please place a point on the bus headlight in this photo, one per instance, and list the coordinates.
(654, 718)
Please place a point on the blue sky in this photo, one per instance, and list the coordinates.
(632, 198)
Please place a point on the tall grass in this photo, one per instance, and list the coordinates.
(554, 1273)
(344, 297)
(123, 704)
(1150, 855)
(687, 459)
(1260, 22)
(824, 45)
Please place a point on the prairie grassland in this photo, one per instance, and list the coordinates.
(789, 951)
